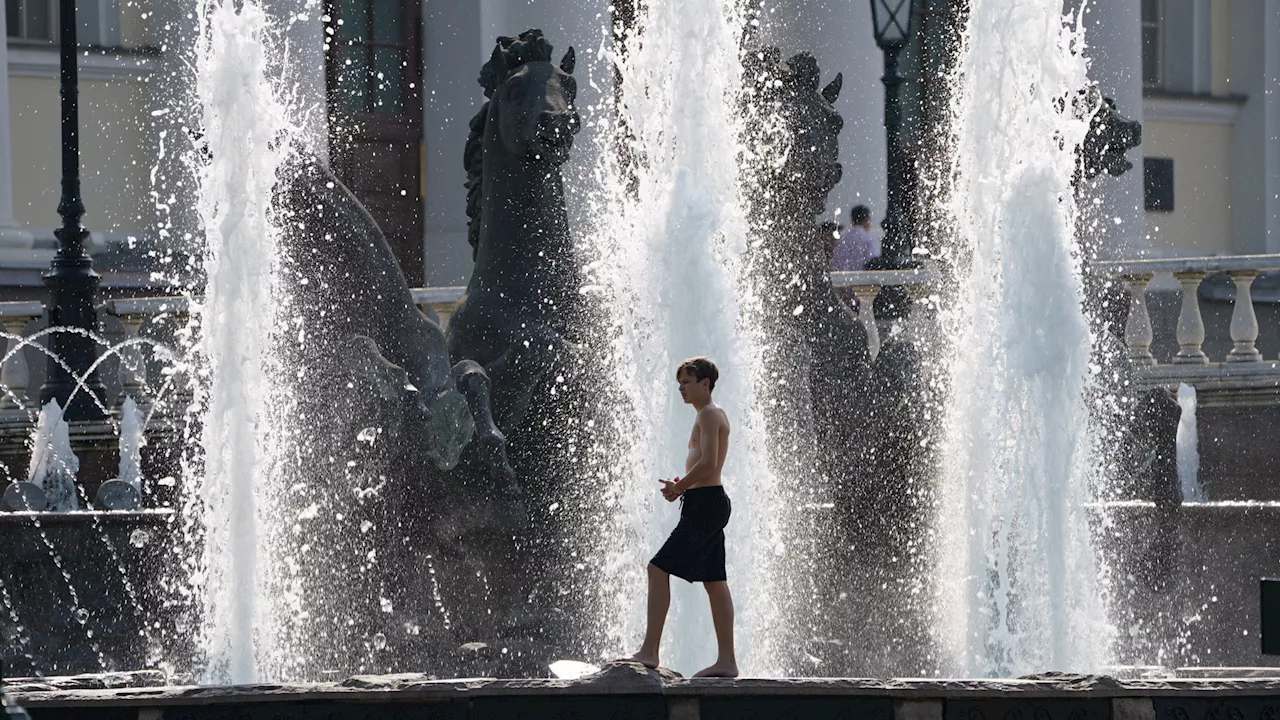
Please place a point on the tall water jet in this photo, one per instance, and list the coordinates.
(243, 143)
(671, 250)
(1022, 589)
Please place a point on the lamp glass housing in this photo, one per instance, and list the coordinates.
(893, 22)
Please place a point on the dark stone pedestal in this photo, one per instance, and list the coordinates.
(623, 693)
(79, 591)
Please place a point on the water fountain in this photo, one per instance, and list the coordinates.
(347, 503)
(674, 260)
(1018, 462)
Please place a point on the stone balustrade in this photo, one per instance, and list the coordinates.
(867, 285)
(14, 375)
(1242, 367)
(135, 314)
(1243, 371)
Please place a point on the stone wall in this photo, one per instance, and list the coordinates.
(1185, 581)
(80, 592)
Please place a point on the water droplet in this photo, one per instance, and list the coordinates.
(386, 605)
(379, 641)
(82, 616)
(138, 538)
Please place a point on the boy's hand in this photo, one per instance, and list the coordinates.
(669, 489)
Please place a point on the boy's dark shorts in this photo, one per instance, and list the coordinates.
(695, 550)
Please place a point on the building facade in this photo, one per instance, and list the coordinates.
(395, 82)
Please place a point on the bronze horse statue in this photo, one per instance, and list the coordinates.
(522, 312)
(524, 319)
(850, 414)
(367, 335)
(812, 326)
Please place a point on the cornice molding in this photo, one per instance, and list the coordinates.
(44, 63)
(1191, 110)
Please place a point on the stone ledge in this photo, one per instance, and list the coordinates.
(411, 688)
(94, 681)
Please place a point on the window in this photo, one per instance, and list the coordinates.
(30, 19)
(374, 48)
(1157, 184)
(1152, 42)
(99, 21)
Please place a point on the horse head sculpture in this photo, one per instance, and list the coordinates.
(787, 99)
(522, 305)
(530, 111)
(534, 110)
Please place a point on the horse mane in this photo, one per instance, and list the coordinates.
(473, 160)
(508, 56)
(768, 73)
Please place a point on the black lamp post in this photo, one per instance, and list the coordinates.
(894, 23)
(71, 280)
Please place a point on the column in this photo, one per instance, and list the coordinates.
(839, 34)
(11, 235)
(1271, 124)
(1113, 32)
(1255, 171)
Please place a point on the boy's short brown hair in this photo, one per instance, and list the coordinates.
(702, 368)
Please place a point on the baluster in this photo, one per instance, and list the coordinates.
(14, 374)
(1137, 327)
(1244, 323)
(866, 295)
(1190, 323)
(444, 310)
(133, 369)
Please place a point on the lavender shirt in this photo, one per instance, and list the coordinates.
(854, 249)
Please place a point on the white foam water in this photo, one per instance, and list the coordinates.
(1022, 591)
(131, 441)
(244, 125)
(54, 464)
(1188, 446)
(671, 238)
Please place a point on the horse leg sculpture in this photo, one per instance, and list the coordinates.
(491, 445)
(524, 369)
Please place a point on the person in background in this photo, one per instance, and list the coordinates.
(858, 245)
(854, 249)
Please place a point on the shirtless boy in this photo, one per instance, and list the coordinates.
(695, 550)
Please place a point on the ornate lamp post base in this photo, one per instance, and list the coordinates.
(71, 280)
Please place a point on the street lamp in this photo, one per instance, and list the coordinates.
(71, 280)
(893, 23)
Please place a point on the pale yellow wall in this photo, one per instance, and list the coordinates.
(115, 164)
(1201, 221)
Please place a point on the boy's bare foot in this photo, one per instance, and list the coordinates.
(719, 670)
(649, 660)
